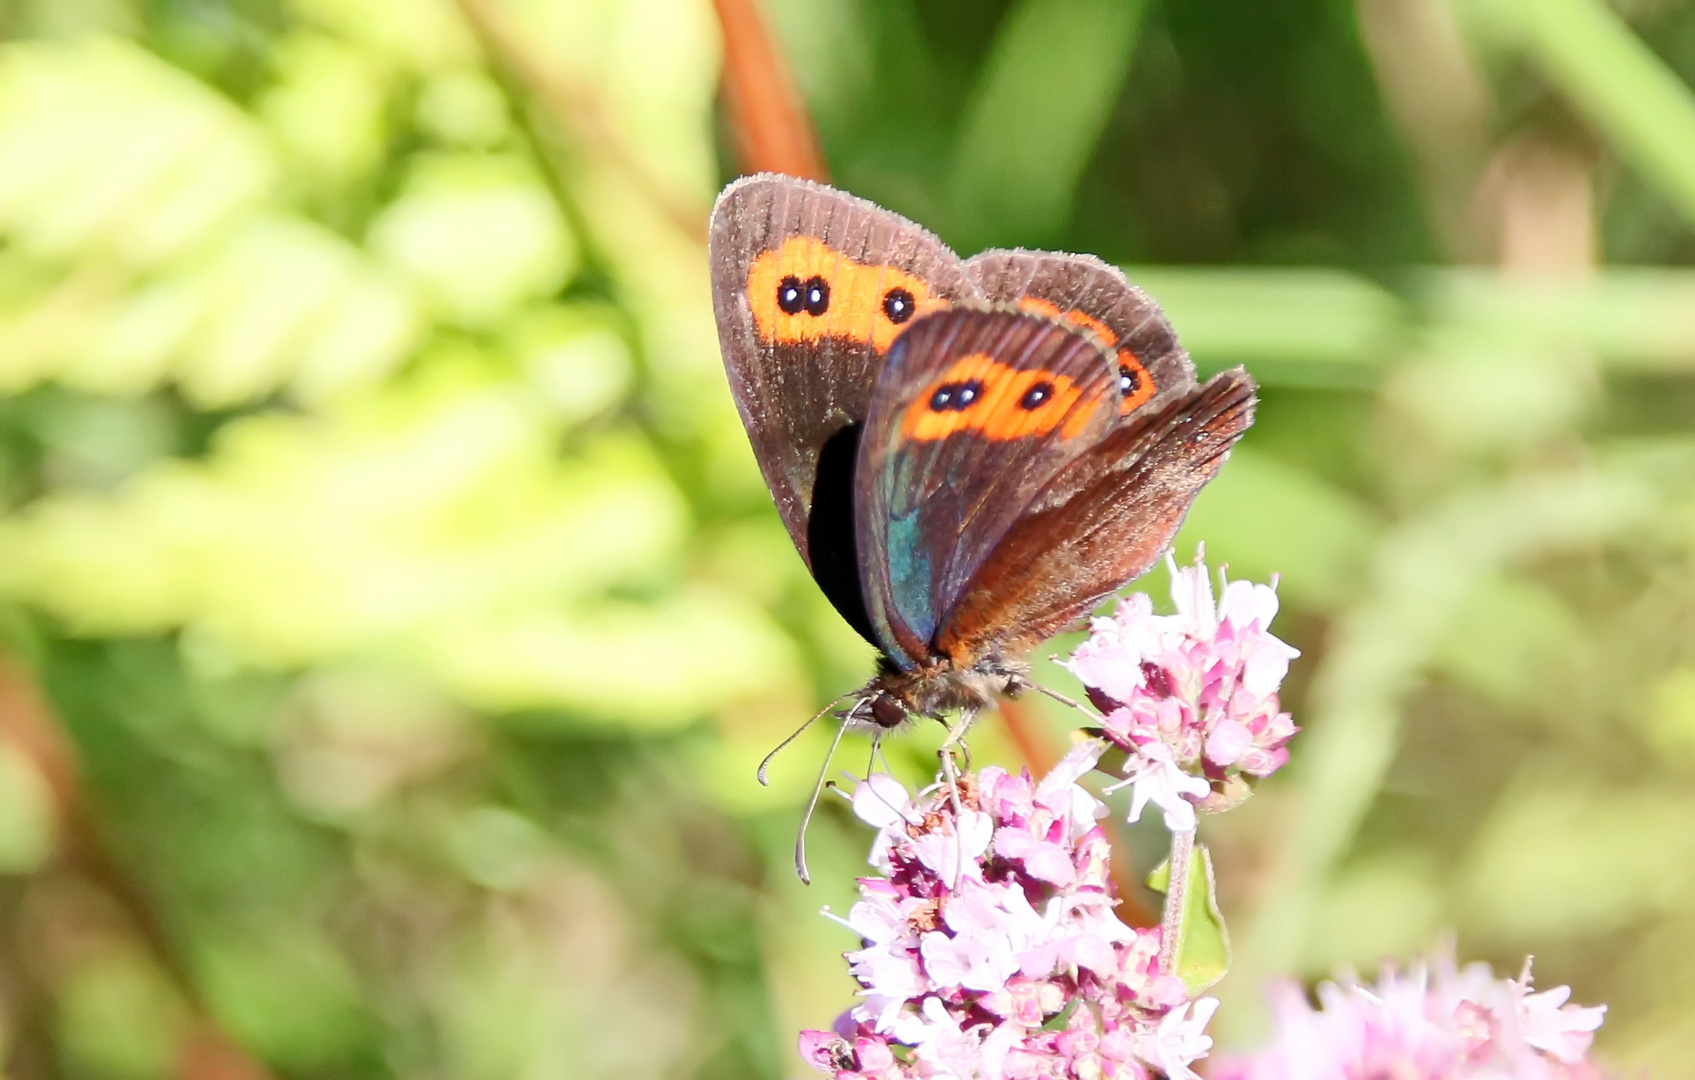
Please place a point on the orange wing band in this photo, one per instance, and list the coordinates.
(1138, 386)
(978, 394)
(1075, 318)
(805, 290)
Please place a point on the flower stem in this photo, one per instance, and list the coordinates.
(1176, 896)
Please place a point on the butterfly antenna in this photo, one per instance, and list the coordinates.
(764, 766)
(817, 790)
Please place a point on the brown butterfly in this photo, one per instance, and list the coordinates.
(969, 454)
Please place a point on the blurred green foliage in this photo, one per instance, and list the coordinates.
(375, 518)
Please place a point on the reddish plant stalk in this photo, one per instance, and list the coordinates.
(772, 125)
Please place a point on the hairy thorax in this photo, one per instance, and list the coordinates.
(941, 686)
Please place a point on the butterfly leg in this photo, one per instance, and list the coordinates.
(956, 737)
(1059, 697)
(950, 774)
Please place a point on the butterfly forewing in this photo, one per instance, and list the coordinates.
(1152, 366)
(975, 411)
(810, 287)
(1100, 522)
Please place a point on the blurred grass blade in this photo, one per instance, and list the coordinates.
(1327, 324)
(1036, 113)
(1631, 318)
(1636, 102)
(773, 128)
(1312, 327)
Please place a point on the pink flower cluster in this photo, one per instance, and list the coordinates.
(1435, 1022)
(990, 946)
(1191, 697)
(990, 949)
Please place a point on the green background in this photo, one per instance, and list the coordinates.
(376, 528)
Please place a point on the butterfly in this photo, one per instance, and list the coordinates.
(969, 454)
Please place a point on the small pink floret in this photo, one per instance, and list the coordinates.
(1193, 693)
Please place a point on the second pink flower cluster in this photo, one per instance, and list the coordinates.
(1191, 697)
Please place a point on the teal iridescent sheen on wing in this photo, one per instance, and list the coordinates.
(910, 580)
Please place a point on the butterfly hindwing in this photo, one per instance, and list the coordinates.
(810, 286)
(1100, 522)
(1153, 367)
(975, 411)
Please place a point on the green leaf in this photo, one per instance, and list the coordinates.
(478, 234)
(1058, 1020)
(285, 990)
(116, 1016)
(1203, 944)
(1036, 113)
(192, 162)
(327, 108)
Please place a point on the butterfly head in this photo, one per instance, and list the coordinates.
(886, 711)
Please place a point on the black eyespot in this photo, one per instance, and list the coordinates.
(817, 296)
(898, 305)
(1037, 396)
(789, 296)
(1129, 380)
(955, 396)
